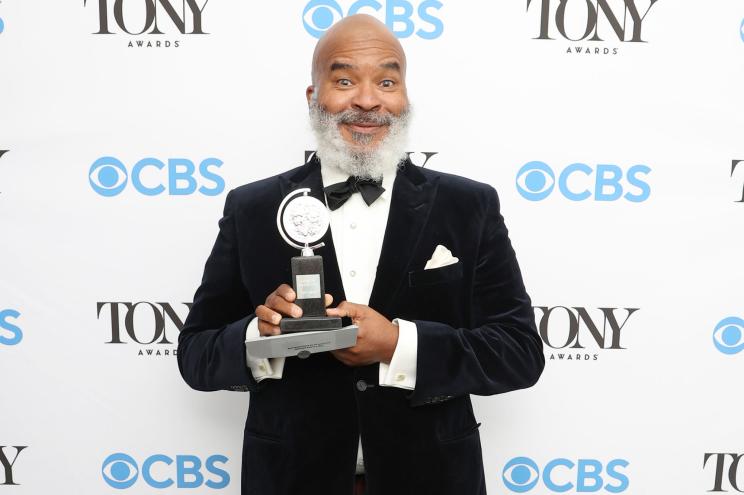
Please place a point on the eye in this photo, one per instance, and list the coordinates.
(344, 82)
(387, 83)
(107, 176)
(319, 15)
(535, 181)
(120, 471)
(520, 474)
(728, 336)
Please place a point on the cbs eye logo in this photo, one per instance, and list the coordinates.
(728, 336)
(741, 29)
(2, 25)
(319, 15)
(521, 474)
(535, 181)
(120, 471)
(108, 176)
(150, 176)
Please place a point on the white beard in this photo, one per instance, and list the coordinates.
(359, 161)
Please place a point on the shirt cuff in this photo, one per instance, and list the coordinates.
(401, 372)
(262, 368)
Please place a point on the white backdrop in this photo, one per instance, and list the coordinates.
(488, 98)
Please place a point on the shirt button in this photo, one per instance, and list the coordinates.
(262, 367)
(352, 225)
(399, 377)
(361, 385)
(352, 273)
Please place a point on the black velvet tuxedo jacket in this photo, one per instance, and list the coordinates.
(476, 335)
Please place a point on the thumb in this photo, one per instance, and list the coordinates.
(353, 311)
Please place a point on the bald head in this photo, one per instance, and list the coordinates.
(355, 33)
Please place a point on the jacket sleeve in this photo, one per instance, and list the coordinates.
(211, 350)
(503, 351)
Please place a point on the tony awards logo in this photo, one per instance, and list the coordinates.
(303, 220)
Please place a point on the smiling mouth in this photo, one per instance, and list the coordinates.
(364, 128)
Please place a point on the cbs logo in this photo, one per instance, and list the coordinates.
(728, 337)
(319, 15)
(522, 474)
(109, 177)
(120, 471)
(579, 182)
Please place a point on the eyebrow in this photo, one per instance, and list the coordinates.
(344, 66)
(341, 66)
(391, 65)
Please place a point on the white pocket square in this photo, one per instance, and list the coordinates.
(441, 257)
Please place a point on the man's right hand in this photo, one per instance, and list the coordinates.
(278, 304)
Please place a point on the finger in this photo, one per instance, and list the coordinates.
(286, 292)
(282, 306)
(344, 309)
(336, 312)
(328, 300)
(266, 329)
(341, 310)
(268, 315)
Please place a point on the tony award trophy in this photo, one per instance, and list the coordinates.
(303, 220)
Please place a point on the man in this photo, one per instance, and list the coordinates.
(428, 336)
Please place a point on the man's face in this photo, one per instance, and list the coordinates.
(364, 80)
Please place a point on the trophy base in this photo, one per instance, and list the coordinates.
(301, 344)
(309, 324)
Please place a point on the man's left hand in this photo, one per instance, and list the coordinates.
(376, 339)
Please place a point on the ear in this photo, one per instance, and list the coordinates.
(309, 93)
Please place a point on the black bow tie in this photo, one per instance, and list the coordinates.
(337, 194)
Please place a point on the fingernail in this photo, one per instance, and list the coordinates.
(296, 311)
(276, 319)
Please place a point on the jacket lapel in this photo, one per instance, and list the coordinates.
(309, 176)
(411, 201)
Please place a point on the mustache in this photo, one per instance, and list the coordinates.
(359, 117)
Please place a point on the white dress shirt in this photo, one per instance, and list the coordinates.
(358, 231)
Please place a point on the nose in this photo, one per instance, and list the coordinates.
(366, 98)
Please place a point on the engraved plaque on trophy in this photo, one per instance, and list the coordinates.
(303, 220)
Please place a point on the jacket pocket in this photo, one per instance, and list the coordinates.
(449, 273)
(461, 435)
(263, 436)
